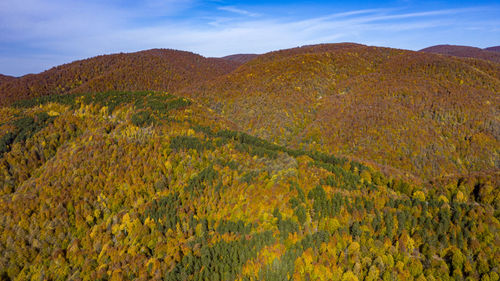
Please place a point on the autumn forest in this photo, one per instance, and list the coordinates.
(322, 162)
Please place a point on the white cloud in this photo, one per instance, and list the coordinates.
(237, 11)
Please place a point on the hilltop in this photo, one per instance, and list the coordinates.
(415, 114)
(465, 52)
(157, 69)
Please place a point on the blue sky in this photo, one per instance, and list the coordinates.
(38, 34)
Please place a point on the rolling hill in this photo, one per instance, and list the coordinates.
(379, 106)
(420, 115)
(494, 49)
(6, 78)
(157, 69)
(465, 52)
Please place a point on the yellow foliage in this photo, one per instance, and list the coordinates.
(365, 175)
(460, 197)
(89, 218)
(53, 113)
(419, 195)
(168, 165)
(354, 248)
(349, 276)
(443, 199)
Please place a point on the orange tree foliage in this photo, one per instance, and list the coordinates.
(152, 186)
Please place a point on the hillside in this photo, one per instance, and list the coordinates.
(6, 78)
(241, 58)
(494, 49)
(464, 52)
(415, 114)
(158, 69)
(152, 186)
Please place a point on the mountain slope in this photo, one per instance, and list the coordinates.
(6, 78)
(493, 49)
(157, 69)
(151, 186)
(241, 58)
(423, 114)
(464, 51)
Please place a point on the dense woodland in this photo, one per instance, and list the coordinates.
(241, 58)
(494, 49)
(380, 106)
(5, 78)
(157, 69)
(326, 162)
(490, 54)
(148, 185)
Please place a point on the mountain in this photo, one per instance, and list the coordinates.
(157, 69)
(493, 49)
(416, 114)
(153, 186)
(324, 162)
(464, 51)
(241, 58)
(6, 78)
(353, 100)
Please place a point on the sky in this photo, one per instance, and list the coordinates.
(36, 35)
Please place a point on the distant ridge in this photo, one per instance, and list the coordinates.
(6, 78)
(241, 58)
(465, 52)
(493, 49)
(156, 69)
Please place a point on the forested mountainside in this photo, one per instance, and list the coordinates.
(153, 186)
(421, 115)
(5, 78)
(157, 69)
(465, 52)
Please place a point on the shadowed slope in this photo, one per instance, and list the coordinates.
(241, 58)
(493, 49)
(465, 52)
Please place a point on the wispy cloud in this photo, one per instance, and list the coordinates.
(237, 11)
(35, 36)
(421, 14)
(351, 13)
